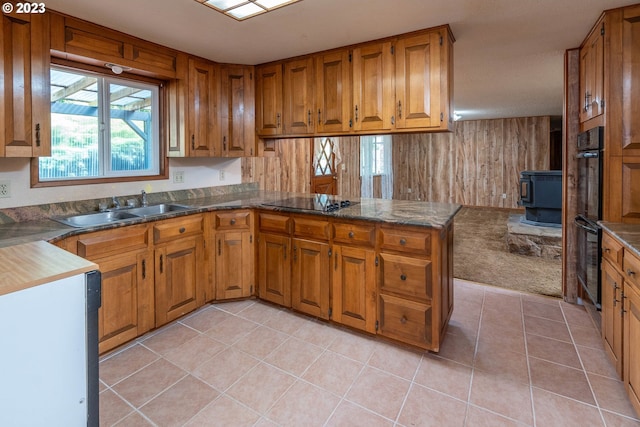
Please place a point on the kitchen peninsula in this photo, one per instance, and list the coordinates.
(380, 266)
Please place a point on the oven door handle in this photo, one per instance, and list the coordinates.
(588, 155)
(581, 222)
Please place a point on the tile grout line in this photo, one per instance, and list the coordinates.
(473, 360)
(526, 353)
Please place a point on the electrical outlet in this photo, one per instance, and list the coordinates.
(5, 188)
(221, 174)
(178, 177)
(504, 195)
(409, 191)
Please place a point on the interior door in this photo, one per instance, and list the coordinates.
(324, 177)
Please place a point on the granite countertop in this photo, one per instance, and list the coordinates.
(399, 212)
(627, 233)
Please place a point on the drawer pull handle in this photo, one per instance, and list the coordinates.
(144, 269)
(630, 272)
(233, 221)
(403, 319)
(182, 230)
(351, 234)
(403, 242)
(161, 264)
(403, 277)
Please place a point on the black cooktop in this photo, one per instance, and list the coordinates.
(319, 202)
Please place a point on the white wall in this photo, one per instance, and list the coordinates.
(197, 173)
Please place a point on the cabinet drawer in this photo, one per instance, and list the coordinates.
(276, 223)
(632, 269)
(406, 276)
(171, 229)
(405, 320)
(234, 220)
(311, 228)
(405, 240)
(118, 240)
(360, 234)
(612, 250)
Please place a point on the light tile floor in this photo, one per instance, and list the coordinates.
(509, 359)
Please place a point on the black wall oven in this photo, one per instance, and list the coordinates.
(589, 234)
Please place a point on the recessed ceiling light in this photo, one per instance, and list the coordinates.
(243, 9)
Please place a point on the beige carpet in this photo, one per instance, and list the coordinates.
(481, 255)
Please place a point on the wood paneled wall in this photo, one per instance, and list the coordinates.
(474, 165)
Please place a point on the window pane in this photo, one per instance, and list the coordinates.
(131, 128)
(74, 128)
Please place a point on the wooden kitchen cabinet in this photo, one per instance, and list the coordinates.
(299, 97)
(592, 74)
(612, 314)
(631, 345)
(237, 111)
(373, 87)
(422, 81)
(180, 272)
(274, 258)
(25, 113)
(631, 81)
(235, 253)
(203, 117)
(269, 100)
(126, 264)
(333, 92)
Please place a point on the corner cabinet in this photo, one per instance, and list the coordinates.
(274, 258)
(25, 90)
(235, 253)
(237, 111)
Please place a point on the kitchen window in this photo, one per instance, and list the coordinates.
(102, 127)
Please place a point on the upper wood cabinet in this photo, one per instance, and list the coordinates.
(592, 74)
(237, 111)
(298, 97)
(333, 92)
(373, 86)
(398, 84)
(269, 100)
(203, 100)
(25, 94)
(631, 81)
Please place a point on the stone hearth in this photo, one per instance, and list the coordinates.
(532, 240)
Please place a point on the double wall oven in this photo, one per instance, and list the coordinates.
(589, 197)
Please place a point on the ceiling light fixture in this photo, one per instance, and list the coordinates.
(245, 9)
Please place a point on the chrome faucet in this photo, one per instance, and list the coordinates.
(116, 203)
(144, 198)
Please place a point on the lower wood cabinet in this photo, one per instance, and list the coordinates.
(235, 253)
(274, 268)
(632, 345)
(179, 267)
(612, 313)
(310, 277)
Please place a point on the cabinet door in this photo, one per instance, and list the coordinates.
(203, 114)
(310, 284)
(127, 309)
(274, 270)
(632, 345)
(333, 96)
(298, 97)
(354, 287)
(237, 111)
(418, 81)
(234, 265)
(179, 278)
(612, 314)
(25, 92)
(269, 100)
(373, 87)
(592, 75)
(631, 80)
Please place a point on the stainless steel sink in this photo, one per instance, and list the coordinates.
(157, 209)
(98, 218)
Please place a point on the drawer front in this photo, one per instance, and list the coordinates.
(403, 240)
(274, 223)
(359, 234)
(311, 228)
(406, 276)
(118, 240)
(631, 269)
(171, 229)
(405, 320)
(612, 250)
(233, 220)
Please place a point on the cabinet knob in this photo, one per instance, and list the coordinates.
(403, 242)
(403, 319)
(630, 272)
(351, 234)
(233, 221)
(403, 277)
(182, 230)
